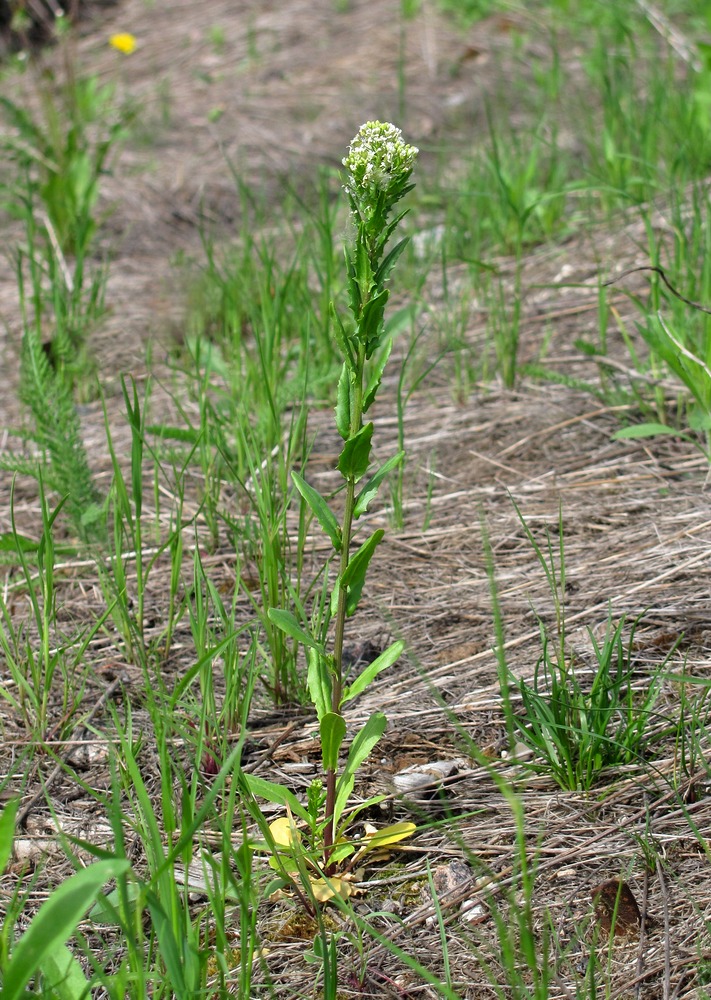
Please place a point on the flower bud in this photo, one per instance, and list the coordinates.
(379, 164)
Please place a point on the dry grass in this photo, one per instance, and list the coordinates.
(636, 519)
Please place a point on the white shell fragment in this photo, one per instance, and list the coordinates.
(420, 776)
(472, 912)
(33, 849)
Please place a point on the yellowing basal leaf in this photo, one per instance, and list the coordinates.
(388, 835)
(324, 890)
(284, 832)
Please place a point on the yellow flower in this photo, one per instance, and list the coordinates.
(123, 42)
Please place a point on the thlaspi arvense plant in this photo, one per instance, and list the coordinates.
(379, 165)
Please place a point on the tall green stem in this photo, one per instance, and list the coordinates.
(347, 528)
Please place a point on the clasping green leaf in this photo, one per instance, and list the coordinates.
(320, 508)
(370, 490)
(354, 576)
(369, 673)
(318, 680)
(354, 460)
(361, 746)
(286, 621)
(343, 403)
(370, 328)
(333, 733)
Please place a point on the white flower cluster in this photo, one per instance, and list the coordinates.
(378, 159)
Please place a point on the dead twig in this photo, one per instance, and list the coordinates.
(662, 274)
(46, 785)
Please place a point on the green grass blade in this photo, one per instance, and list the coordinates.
(7, 831)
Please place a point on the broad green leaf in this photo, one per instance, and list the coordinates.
(107, 908)
(376, 375)
(286, 621)
(7, 831)
(333, 733)
(354, 576)
(320, 508)
(342, 850)
(55, 922)
(700, 420)
(64, 976)
(382, 662)
(343, 403)
(354, 460)
(370, 490)
(318, 681)
(275, 793)
(361, 746)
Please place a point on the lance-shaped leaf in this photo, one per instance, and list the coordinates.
(385, 235)
(354, 576)
(376, 839)
(288, 623)
(353, 289)
(335, 594)
(363, 269)
(333, 733)
(354, 460)
(343, 403)
(318, 681)
(382, 662)
(370, 327)
(376, 376)
(361, 746)
(272, 792)
(390, 260)
(323, 513)
(342, 339)
(370, 490)
(646, 430)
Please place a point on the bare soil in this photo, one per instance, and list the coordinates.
(293, 80)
